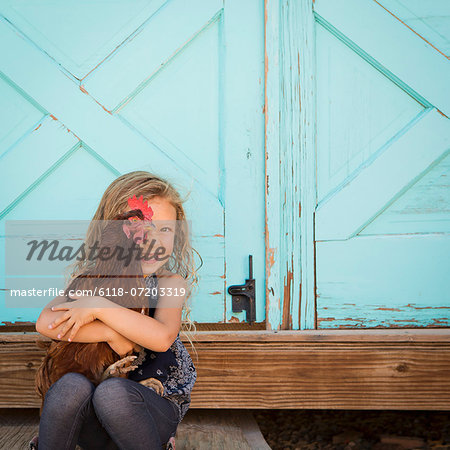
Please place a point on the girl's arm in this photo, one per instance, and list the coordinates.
(143, 330)
(95, 331)
(92, 332)
(157, 333)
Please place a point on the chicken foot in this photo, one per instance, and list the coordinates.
(119, 368)
(123, 366)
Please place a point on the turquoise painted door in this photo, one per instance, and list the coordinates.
(91, 89)
(382, 220)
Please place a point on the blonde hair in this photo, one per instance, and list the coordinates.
(114, 202)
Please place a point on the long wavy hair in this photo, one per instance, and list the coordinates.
(181, 261)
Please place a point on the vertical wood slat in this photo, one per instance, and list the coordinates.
(307, 80)
(290, 164)
(290, 133)
(272, 163)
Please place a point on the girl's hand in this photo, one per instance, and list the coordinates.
(78, 313)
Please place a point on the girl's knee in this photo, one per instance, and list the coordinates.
(71, 390)
(114, 393)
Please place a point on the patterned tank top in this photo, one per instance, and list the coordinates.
(173, 368)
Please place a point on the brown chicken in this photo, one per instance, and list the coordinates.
(98, 361)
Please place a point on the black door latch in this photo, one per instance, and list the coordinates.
(243, 295)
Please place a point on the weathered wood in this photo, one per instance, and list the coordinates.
(273, 194)
(341, 369)
(289, 163)
(387, 335)
(199, 429)
(17, 427)
(201, 326)
(306, 69)
(224, 429)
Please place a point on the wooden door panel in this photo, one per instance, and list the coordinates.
(394, 169)
(151, 92)
(423, 208)
(383, 138)
(349, 83)
(383, 282)
(178, 108)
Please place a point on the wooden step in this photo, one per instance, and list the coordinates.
(401, 369)
(200, 429)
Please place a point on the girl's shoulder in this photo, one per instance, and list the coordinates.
(168, 278)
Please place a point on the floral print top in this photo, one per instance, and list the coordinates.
(173, 368)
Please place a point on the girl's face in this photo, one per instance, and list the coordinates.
(160, 235)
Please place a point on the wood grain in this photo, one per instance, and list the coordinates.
(357, 369)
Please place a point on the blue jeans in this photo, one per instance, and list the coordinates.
(117, 414)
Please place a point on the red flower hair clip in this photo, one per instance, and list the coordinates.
(138, 203)
(136, 224)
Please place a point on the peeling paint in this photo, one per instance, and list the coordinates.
(440, 112)
(286, 321)
(234, 319)
(83, 89)
(387, 309)
(427, 307)
(359, 323)
(270, 256)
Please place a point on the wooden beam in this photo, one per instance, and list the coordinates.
(403, 369)
(290, 164)
(272, 230)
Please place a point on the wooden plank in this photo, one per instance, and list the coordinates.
(273, 197)
(290, 149)
(225, 429)
(241, 149)
(357, 369)
(384, 281)
(368, 335)
(306, 67)
(18, 427)
(297, 149)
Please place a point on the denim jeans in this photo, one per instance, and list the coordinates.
(117, 414)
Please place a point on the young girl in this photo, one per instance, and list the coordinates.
(121, 412)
